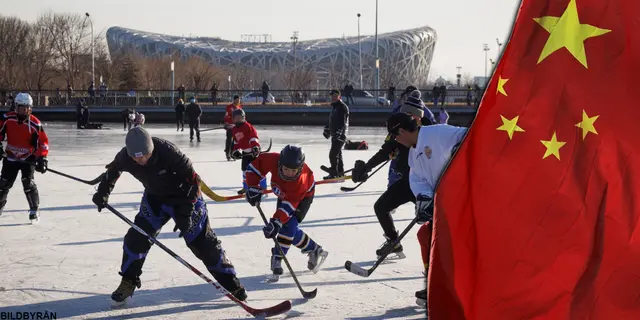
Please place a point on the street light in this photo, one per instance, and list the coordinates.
(377, 54)
(294, 38)
(360, 53)
(499, 46)
(93, 57)
(485, 47)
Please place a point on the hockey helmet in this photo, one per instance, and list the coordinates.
(24, 103)
(291, 157)
(238, 112)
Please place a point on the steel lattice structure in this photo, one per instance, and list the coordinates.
(405, 55)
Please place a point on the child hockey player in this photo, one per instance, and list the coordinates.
(431, 148)
(293, 183)
(171, 192)
(139, 121)
(27, 150)
(246, 145)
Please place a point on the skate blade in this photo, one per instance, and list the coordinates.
(421, 303)
(116, 304)
(272, 278)
(323, 256)
(394, 256)
(35, 221)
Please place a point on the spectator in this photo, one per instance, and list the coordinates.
(180, 114)
(435, 93)
(391, 94)
(265, 92)
(443, 94)
(181, 91)
(214, 94)
(69, 93)
(103, 92)
(194, 111)
(92, 91)
(348, 93)
(469, 96)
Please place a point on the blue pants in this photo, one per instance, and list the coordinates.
(393, 175)
(291, 234)
(202, 241)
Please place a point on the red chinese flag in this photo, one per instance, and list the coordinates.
(537, 217)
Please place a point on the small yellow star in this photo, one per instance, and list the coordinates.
(567, 32)
(587, 124)
(501, 83)
(510, 126)
(553, 146)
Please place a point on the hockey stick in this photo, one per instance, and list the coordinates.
(348, 189)
(246, 154)
(89, 182)
(305, 294)
(328, 170)
(266, 312)
(209, 129)
(356, 269)
(218, 198)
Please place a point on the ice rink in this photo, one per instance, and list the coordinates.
(69, 262)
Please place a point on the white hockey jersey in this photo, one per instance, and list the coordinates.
(431, 155)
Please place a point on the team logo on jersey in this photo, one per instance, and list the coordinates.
(277, 191)
(428, 152)
(239, 136)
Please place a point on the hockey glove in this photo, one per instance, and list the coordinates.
(326, 133)
(101, 200)
(236, 154)
(254, 195)
(272, 228)
(183, 222)
(424, 208)
(42, 164)
(255, 151)
(360, 172)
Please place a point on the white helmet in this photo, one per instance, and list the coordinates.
(24, 99)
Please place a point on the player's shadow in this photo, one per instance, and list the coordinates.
(400, 313)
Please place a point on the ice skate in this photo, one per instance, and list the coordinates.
(421, 298)
(395, 253)
(316, 259)
(240, 293)
(241, 191)
(124, 292)
(276, 268)
(34, 216)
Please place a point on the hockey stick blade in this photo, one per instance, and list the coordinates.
(348, 189)
(356, 269)
(266, 312)
(89, 182)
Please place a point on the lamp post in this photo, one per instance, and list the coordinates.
(485, 47)
(294, 38)
(173, 86)
(377, 54)
(360, 53)
(93, 58)
(499, 46)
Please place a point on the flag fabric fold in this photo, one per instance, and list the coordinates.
(538, 214)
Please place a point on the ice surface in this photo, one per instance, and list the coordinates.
(69, 262)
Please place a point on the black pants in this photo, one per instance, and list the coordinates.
(335, 156)
(179, 122)
(201, 239)
(396, 195)
(8, 176)
(127, 123)
(194, 125)
(229, 142)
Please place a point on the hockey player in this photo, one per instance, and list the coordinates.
(228, 125)
(139, 121)
(246, 145)
(398, 191)
(27, 150)
(337, 131)
(293, 183)
(431, 149)
(171, 192)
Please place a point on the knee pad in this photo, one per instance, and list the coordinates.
(28, 184)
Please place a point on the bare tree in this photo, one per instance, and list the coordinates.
(39, 59)
(14, 34)
(200, 73)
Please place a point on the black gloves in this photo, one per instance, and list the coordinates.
(424, 208)
(42, 164)
(100, 199)
(326, 133)
(360, 172)
(254, 195)
(236, 154)
(183, 213)
(255, 151)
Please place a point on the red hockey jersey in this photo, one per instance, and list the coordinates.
(290, 193)
(245, 137)
(23, 139)
(228, 115)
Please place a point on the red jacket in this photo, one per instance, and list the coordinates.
(245, 137)
(23, 139)
(228, 115)
(290, 193)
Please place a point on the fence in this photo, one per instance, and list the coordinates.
(364, 98)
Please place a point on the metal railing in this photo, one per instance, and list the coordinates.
(362, 98)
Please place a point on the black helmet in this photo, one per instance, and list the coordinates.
(291, 157)
(238, 112)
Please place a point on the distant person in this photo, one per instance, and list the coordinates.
(391, 94)
(128, 116)
(348, 93)
(265, 92)
(443, 116)
(80, 114)
(337, 131)
(214, 93)
(139, 121)
(443, 94)
(180, 108)
(194, 111)
(229, 124)
(181, 91)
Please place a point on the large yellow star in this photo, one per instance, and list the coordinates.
(501, 83)
(510, 126)
(567, 32)
(553, 146)
(587, 124)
